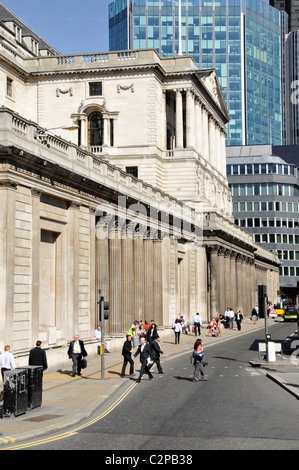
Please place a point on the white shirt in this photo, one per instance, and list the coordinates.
(177, 327)
(197, 319)
(8, 361)
(98, 334)
(77, 349)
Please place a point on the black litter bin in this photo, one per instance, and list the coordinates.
(15, 392)
(35, 385)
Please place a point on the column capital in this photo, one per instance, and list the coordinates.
(36, 193)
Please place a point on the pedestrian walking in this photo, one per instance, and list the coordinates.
(255, 314)
(145, 359)
(238, 318)
(7, 361)
(156, 352)
(197, 322)
(76, 352)
(177, 328)
(198, 355)
(127, 353)
(37, 356)
(152, 333)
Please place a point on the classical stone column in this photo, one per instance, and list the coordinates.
(127, 281)
(212, 146)
(102, 260)
(214, 305)
(239, 286)
(190, 117)
(158, 286)
(221, 282)
(227, 275)
(148, 279)
(35, 281)
(179, 120)
(205, 134)
(233, 280)
(201, 281)
(218, 149)
(166, 280)
(105, 131)
(244, 285)
(138, 254)
(249, 305)
(84, 132)
(115, 272)
(164, 121)
(198, 126)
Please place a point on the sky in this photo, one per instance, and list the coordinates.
(70, 26)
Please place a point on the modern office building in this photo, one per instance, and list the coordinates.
(265, 188)
(240, 39)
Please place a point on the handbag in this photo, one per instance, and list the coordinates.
(198, 356)
(83, 363)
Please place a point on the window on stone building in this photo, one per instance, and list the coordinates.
(132, 170)
(95, 129)
(9, 83)
(95, 89)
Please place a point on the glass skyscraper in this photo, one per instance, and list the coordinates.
(241, 39)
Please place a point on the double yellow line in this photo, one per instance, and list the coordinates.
(76, 430)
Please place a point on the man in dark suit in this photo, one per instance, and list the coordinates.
(145, 358)
(37, 356)
(156, 352)
(76, 352)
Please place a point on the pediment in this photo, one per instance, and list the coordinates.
(210, 80)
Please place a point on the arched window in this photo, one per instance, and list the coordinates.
(95, 129)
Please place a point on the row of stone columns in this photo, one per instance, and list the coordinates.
(129, 274)
(233, 281)
(203, 132)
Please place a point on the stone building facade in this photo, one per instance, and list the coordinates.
(133, 200)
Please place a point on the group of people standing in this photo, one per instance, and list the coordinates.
(37, 357)
(229, 316)
(148, 349)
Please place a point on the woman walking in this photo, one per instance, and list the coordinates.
(177, 328)
(198, 361)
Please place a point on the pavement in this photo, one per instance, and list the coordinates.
(69, 401)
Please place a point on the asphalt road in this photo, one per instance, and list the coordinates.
(238, 408)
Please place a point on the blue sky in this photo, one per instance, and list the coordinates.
(71, 26)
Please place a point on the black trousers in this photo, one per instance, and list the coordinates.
(144, 369)
(156, 361)
(126, 360)
(76, 358)
(196, 327)
(177, 335)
